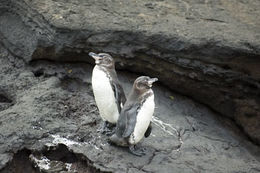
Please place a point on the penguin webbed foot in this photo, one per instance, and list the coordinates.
(109, 132)
(107, 128)
(102, 128)
(138, 151)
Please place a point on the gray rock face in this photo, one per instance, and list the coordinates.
(207, 50)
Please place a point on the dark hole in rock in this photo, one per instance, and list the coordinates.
(226, 67)
(20, 163)
(79, 163)
(250, 115)
(4, 99)
(61, 153)
(5, 102)
(59, 157)
(252, 86)
(38, 73)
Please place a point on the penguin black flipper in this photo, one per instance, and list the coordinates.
(121, 124)
(131, 120)
(119, 95)
(122, 96)
(127, 120)
(148, 131)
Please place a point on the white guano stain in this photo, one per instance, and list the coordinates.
(60, 140)
(168, 128)
(43, 163)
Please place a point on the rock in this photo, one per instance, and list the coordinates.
(205, 50)
(4, 159)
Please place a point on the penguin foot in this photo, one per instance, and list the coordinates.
(106, 129)
(138, 151)
(102, 128)
(109, 132)
(106, 132)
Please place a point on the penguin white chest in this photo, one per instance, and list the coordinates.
(143, 120)
(104, 95)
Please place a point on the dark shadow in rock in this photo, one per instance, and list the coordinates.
(5, 102)
(52, 159)
(20, 163)
(4, 99)
(38, 73)
(61, 158)
(61, 153)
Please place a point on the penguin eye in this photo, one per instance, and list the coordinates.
(145, 81)
(141, 85)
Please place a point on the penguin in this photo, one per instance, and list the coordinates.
(134, 121)
(109, 94)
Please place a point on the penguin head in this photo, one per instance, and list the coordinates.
(103, 59)
(144, 83)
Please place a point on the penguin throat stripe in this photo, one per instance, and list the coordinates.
(106, 72)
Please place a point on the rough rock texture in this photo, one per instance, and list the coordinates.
(49, 124)
(208, 50)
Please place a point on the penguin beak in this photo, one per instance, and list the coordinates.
(151, 81)
(96, 57)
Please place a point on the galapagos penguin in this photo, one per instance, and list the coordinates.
(134, 121)
(109, 94)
